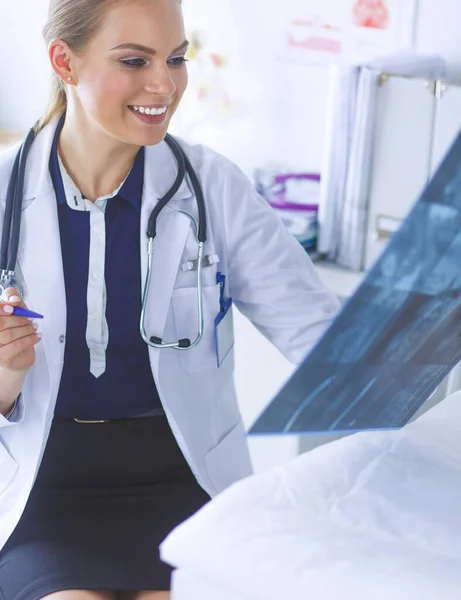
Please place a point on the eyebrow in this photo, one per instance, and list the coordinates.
(148, 50)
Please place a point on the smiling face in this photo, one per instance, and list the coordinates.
(132, 76)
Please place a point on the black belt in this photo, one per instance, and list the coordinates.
(156, 412)
(92, 422)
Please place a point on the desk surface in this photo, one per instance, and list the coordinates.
(7, 139)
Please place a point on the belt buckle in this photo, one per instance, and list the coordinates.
(81, 421)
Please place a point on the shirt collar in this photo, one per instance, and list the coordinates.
(130, 190)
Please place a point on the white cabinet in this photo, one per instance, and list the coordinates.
(447, 121)
(416, 122)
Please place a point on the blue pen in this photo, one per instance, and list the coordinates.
(23, 312)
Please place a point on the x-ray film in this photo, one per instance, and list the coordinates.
(399, 335)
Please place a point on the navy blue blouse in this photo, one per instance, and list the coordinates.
(106, 371)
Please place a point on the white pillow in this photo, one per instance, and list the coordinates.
(374, 516)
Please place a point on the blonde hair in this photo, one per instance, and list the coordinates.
(75, 22)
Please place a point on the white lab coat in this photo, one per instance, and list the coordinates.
(270, 278)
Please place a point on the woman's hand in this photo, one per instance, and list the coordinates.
(18, 335)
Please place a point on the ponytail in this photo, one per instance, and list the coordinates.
(57, 103)
(75, 22)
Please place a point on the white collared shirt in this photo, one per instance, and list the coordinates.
(97, 331)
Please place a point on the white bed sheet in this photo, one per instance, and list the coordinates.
(374, 515)
(187, 585)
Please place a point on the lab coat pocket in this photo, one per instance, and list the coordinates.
(185, 311)
(229, 461)
(8, 468)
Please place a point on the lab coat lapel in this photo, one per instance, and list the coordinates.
(41, 266)
(39, 254)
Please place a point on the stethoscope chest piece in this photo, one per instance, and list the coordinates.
(9, 282)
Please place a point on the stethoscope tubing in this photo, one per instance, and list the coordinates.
(13, 207)
(184, 344)
(184, 167)
(12, 228)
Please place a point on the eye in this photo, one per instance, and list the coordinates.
(177, 61)
(133, 63)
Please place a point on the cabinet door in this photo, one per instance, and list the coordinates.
(401, 157)
(447, 122)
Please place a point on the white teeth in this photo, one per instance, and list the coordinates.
(150, 111)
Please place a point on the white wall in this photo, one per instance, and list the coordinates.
(24, 71)
(438, 30)
(24, 79)
(278, 110)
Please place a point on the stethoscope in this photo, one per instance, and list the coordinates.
(12, 228)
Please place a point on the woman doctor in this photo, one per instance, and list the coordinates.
(106, 444)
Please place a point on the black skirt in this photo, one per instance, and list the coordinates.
(105, 497)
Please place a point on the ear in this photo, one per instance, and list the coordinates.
(60, 58)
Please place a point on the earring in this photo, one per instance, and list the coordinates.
(69, 79)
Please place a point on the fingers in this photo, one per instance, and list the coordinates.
(11, 351)
(10, 321)
(8, 335)
(18, 335)
(8, 301)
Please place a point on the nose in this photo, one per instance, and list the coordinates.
(160, 81)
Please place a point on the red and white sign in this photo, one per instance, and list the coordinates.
(371, 13)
